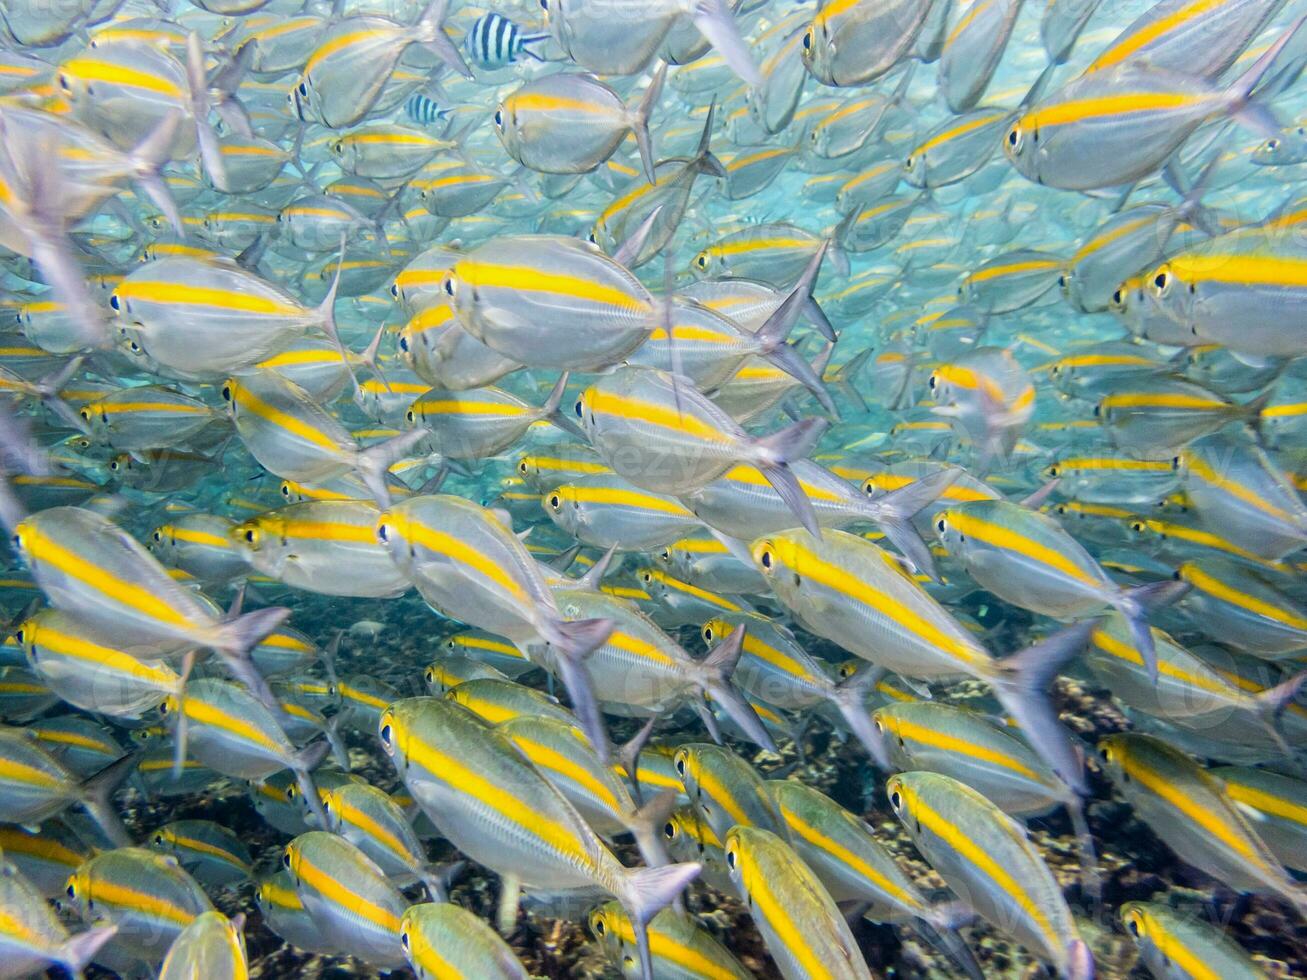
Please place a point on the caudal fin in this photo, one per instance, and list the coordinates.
(646, 825)
(373, 463)
(716, 670)
(97, 797)
(775, 452)
(716, 22)
(76, 952)
(640, 120)
(894, 513)
(850, 697)
(430, 31)
(645, 893)
(571, 643)
(1136, 604)
(1021, 687)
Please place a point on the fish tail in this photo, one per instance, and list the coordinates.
(716, 23)
(703, 160)
(573, 642)
(850, 698)
(205, 136)
(1090, 880)
(550, 409)
(717, 669)
(373, 463)
(1242, 90)
(97, 793)
(774, 333)
(302, 765)
(646, 892)
(773, 454)
(1136, 604)
(1021, 687)
(645, 823)
(76, 952)
(640, 120)
(894, 513)
(941, 933)
(430, 32)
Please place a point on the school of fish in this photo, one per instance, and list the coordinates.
(524, 444)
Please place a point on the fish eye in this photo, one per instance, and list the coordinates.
(707, 634)
(896, 800)
(21, 636)
(669, 830)
(522, 467)
(807, 39)
(383, 532)
(1054, 470)
(680, 766)
(933, 382)
(1098, 410)
(386, 735)
(765, 559)
(226, 393)
(1014, 139)
(1272, 144)
(544, 5)
(303, 88)
(403, 344)
(158, 536)
(1161, 283)
(86, 414)
(941, 525)
(113, 301)
(600, 928)
(64, 83)
(410, 416)
(1118, 299)
(403, 939)
(579, 409)
(449, 285)
(285, 860)
(730, 858)
(909, 163)
(1175, 463)
(554, 502)
(158, 839)
(71, 890)
(499, 118)
(701, 260)
(251, 535)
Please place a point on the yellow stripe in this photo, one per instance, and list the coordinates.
(463, 553)
(339, 893)
(618, 497)
(142, 600)
(103, 892)
(184, 294)
(1199, 579)
(651, 413)
(283, 420)
(1148, 33)
(1259, 799)
(1007, 539)
(842, 855)
(1109, 107)
(521, 278)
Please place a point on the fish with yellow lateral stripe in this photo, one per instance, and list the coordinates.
(496, 808)
(371, 820)
(344, 75)
(147, 417)
(1274, 804)
(642, 670)
(203, 545)
(568, 123)
(212, 945)
(441, 941)
(483, 422)
(1114, 126)
(1194, 816)
(465, 561)
(31, 935)
(326, 546)
(296, 438)
(205, 318)
(1238, 605)
(606, 510)
(90, 568)
(681, 949)
(347, 896)
(1028, 559)
(984, 854)
(843, 852)
(206, 850)
(1176, 945)
(225, 728)
(560, 753)
(147, 896)
(799, 921)
(671, 439)
(848, 590)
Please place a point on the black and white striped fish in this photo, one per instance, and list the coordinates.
(495, 41)
(423, 109)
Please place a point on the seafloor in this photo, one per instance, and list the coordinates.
(1134, 864)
